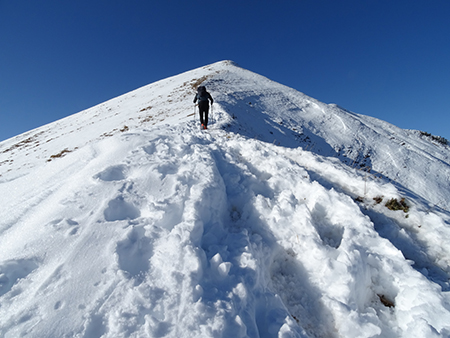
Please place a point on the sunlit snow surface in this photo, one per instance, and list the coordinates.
(126, 220)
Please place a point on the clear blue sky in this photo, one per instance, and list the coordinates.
(385, 58)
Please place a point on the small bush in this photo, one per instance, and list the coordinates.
(438, 139)
(378, 199)
(385, 301)
(395, 205)
(144, 109)
(62, 153)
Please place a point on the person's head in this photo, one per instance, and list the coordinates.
(201, 89)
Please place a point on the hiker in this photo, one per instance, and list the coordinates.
(203, 105)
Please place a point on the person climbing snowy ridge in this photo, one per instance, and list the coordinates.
(203, 105)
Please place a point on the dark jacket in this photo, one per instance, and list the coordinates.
(203, 96)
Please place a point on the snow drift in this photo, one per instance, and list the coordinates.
(126, 220)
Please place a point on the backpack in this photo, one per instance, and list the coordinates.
(202, 94)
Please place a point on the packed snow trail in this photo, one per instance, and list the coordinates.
(128, 221)
(213, 235)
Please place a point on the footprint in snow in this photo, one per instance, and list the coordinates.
(68, 225)
(14, 270)
(112, 173)
(300, 297)
(95, 326)
(133, 254)
(330, 234)
(58, 305)
(118, 210)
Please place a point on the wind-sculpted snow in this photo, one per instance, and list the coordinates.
(162, 230)
(277, 114)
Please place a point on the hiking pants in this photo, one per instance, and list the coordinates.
(203, 107)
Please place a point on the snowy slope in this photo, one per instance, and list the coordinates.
(126, 220)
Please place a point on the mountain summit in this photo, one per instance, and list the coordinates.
(287, 218)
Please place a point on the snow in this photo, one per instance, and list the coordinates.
(126, 220)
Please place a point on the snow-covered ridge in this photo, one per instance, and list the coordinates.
(126, 220)
(400, 155)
